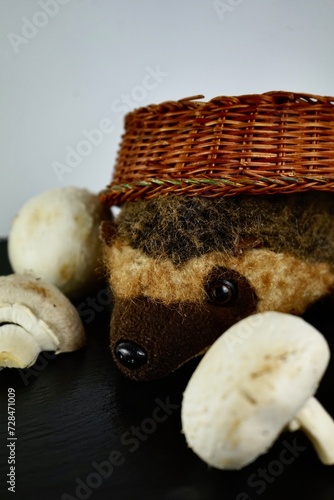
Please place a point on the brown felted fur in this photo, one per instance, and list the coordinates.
(281, 281)
(163, 254)
(180, 228)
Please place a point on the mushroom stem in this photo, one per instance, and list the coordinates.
(18, 349)
(318, 425)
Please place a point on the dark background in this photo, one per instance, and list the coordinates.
(74, 410)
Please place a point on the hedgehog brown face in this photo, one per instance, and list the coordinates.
(182, 271)
(167, 321)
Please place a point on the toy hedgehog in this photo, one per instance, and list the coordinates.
(226, 211)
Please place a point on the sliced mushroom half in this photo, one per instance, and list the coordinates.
(34, 317)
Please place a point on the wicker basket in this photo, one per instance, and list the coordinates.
(277, 142)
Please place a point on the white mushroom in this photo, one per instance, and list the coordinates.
(55, 237)
(237, 403)
(34, 317)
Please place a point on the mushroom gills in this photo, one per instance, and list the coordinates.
(23, 336)
(18, 349)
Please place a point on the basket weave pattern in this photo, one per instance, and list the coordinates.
(277, 142)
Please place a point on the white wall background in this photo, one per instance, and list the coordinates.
(71, 66)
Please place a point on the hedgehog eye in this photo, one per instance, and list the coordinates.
(222, 292)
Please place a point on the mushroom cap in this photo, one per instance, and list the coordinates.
(55, 236)
(242, 395)
(43, 310)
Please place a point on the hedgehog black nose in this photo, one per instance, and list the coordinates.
(130, 355)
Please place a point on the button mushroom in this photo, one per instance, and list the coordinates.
(55, 237)
(34, 317)
(237, 403)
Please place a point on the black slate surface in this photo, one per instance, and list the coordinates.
(84, 431)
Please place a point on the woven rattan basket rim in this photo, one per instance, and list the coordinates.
(276, 142)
